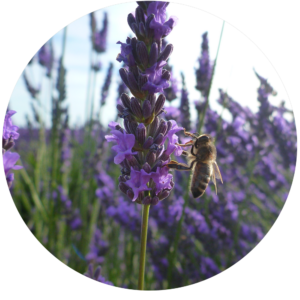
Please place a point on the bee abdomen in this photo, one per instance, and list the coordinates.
(200, 180)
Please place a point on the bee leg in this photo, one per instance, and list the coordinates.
(185, 153)
(180, 167)
(190, 143)
(190, 134)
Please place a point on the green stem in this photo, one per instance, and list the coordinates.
(144, 230)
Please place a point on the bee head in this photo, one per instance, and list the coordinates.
(203, 139)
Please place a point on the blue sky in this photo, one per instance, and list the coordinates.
(234, 73)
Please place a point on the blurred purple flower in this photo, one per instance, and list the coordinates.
(98, 247)
(46, 57)
(99, 38)
(10, 130)
(96, 275)
(9, 163)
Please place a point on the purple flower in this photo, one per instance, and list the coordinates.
(173, 139)
(173, 147)
(126, 54)
(162, 179)
(9, 160)
(155, 83)
(125, 143)
(138, 182)
(10, 130)
(159, 25)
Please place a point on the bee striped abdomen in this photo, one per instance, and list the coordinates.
(200, 179)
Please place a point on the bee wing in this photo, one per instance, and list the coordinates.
(213, 176)
(216, 172)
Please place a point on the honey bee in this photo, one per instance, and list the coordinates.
(202, 163)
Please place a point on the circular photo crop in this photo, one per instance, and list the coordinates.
(149, 145)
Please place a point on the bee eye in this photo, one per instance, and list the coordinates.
(204, 139)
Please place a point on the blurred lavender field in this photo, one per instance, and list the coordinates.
(67, 192)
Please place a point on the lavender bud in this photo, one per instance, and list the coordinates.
(124, 73)
(130, 20)
(123, 187)
(133, 162)
(146, 168)
(153, 126)
(164, 156)
(133, 44)
(147, 24)
(172, 183)
(150, 158)
(165, 54)
(147, 200)
(161, 129)
(169, 126)
(158, 140)
(164, 194)
(130, 194)
(153, 55)
(148, 143)
(159, 151)
(7, 144)
(137, 32)
(120, 108)
(142, 29)
(125, 100)
(154, 200)
(142, 80)
(159, 103)
(10, 179)
(143, 5)
(147, 109)
(152, 99)
(139, 15)
(136, 107)
(157, 165)
(154, 148)
(122, 178)
(127, 126)
(142, 52)
(132, 83)
(133, 126)
(141, 133)
(166, 75)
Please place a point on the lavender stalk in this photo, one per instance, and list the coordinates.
(140, 145)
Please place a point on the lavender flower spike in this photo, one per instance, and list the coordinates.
(144, 178)
(9, 163)
(10, 130)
